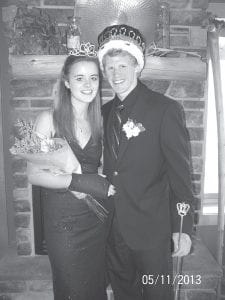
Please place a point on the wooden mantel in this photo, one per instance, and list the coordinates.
(174, 68)
(170, 68)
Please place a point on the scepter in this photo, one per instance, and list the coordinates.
(182, 210)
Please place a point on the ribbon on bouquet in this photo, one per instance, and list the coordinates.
(93, 204)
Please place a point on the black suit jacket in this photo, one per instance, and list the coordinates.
(150, 168)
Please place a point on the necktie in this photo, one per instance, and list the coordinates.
(116, 129)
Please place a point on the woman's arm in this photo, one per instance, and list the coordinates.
(39, 176)
(93, 184)
(44, 124)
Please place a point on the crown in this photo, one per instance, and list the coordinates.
(85, 49)
(122, 32)
(122, 37)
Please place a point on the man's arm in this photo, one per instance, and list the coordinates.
(176, 148)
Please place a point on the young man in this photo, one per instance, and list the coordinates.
(146, 158)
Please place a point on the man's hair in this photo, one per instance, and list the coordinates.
(119, 52)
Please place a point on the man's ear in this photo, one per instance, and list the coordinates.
(67, 85)
(138, 70)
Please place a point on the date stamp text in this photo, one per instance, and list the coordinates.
(180, 279)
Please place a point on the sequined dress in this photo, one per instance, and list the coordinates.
(75, 237)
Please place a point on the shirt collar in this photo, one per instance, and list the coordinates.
(130, 99)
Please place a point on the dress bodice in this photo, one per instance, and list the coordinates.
(88, 156)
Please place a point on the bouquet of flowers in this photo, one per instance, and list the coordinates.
(56, 156)
(53, 154)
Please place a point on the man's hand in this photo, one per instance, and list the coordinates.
(185, 244)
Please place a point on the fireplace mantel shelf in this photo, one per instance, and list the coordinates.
(164, 68)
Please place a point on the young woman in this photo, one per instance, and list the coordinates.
(74, 235)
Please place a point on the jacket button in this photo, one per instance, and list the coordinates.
(115, 173)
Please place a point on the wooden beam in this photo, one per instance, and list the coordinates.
(34, 66)
(174, 68)
(169, 68)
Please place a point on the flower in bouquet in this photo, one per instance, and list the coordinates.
(31, 142)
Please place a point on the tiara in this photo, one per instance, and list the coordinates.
(85, 49)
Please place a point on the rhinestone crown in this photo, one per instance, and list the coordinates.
(85, 49)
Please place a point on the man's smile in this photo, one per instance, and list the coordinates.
(118, 81)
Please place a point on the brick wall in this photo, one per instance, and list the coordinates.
(31, 96)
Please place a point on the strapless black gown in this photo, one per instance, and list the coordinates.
(75, 237)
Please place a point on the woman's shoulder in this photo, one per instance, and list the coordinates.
(44, 123)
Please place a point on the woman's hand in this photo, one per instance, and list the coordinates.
(111, 190)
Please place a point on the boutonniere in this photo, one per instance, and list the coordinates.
(132, 128)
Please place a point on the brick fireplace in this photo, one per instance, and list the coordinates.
(33, 85)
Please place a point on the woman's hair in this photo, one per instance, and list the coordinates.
(63, 115)
(115, 52)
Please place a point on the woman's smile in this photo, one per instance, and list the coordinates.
(87, 92)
